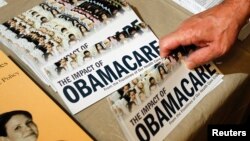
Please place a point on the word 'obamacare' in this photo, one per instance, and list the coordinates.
(109, 73)
(158, 118)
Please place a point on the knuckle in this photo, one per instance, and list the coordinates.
(221, 51)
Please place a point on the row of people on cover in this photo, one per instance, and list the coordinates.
(133, 94)
(64, 5)
(21, 32)
(57, 22)
(97, 8)
(70, 4)
(34, 41)
(77, 59)
(128, 98)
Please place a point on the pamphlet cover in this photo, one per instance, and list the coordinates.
(151, 105)
(25, 107)
(101, 76)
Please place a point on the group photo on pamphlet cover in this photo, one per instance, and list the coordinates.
(84, 54)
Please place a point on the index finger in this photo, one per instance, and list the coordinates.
(169, 43)
(174, 40)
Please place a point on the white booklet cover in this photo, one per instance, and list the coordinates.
(151, 105)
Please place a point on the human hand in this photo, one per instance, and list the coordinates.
(213, 32)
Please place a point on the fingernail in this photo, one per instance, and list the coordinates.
(190, 64)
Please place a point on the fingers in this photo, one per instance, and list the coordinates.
(200, 56)
(168, 43)
(176, 39)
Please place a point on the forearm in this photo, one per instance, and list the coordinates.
(240, 10)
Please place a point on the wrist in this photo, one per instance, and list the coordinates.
(239, 9)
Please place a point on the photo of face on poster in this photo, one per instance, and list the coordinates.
(18, 125)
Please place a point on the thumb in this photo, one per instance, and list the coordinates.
(200, 56)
